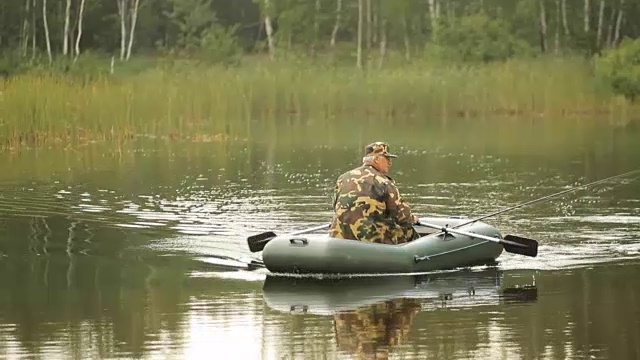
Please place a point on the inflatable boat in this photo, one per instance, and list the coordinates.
(478, 244)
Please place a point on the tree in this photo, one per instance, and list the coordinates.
(478, 38)
(124, 27)
(359, 45)
(132, 30)
(128, 16)
(543, 26)
(192, 18)
(336, 25)
(621, 68)
(45, 24)
(80, 20)
(65, 40)
(220, 45)
(122, 15)
(267, 12)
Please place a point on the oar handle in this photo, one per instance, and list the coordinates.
(257, 242)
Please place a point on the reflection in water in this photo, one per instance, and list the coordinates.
(81, 306)
(370, 332)
(373, 317)
(152, 307)
(62, 234)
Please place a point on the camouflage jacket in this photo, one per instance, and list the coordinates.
(368, 207)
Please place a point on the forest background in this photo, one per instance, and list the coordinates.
(76, 70)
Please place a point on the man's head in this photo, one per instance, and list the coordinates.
(377, 154)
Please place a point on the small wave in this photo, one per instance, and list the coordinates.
(560, 256)
(245, 275)
(606, 219)
(321, 276)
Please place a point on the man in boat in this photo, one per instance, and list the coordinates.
(367, 204)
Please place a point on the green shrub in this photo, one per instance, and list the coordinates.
(620, 67)
(220, 45)
(10, 64)
(478, 38)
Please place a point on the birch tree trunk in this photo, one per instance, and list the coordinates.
(79, 36)
(132, 30)
(600, 24)
(556, 44)
(375, 27)
(543, 27)
(122, 13)
(616, 37)
(336, 26)
(434, 19)
(46, 29)
(407, 43)
(565, 23)
(368, 35)
(269, 30)
(612, 19)
(587, 15)
(359, 41)
(33, 30)
(24, 39)
(65, 36)
(383, 42)
(316, 27)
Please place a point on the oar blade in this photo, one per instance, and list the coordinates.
(257, 242)
(520, 245)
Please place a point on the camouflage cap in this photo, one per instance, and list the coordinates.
(378, 148)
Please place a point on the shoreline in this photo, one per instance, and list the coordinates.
(218, 101)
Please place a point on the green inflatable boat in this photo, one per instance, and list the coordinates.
(476, 243)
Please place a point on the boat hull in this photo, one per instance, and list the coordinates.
(321, 254)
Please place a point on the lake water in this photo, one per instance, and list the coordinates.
(131, 250)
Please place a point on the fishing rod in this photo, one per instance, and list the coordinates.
(531, 202)
(513, 243)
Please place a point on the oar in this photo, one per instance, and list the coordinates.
(512, 243)
(258, 242)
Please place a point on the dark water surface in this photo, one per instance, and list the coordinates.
(128, 251)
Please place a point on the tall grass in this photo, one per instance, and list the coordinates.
(218, 102)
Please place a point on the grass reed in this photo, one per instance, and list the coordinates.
(216, 103)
